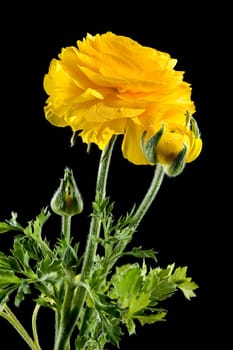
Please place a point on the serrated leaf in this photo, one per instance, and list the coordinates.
(14, 264)
(22, 290)
(70, 258)
(35, 226)
(158, 285)
(21, 254)
(188, 288)
(179, 275)
(48, 266)
(152, 318)
(126, 282)
(103, 303)
(130, 325)
(8, 277)
(140, 253)
(4, 263)
(184, 283)
(5, 293)
(112, 330)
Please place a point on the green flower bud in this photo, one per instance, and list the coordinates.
(67, 200)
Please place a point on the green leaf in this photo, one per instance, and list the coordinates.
(4, 263)
(5, 293)
(184, 283)
(35, 226)
(4, 227)
(14, 223)
(21, 254)
(159, 286)
(111, 329)
(103, 303)
(8, 277)
(138, 302)
(188, 288)
(152, 318)
(70, 258)
(137, 252)
(22, 290)
(126, 282)
(9, 263)
(130, 325)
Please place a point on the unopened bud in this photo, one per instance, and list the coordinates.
(67, 200)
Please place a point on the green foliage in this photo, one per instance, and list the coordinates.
(118, 296)
(33, 264)
(139, 293)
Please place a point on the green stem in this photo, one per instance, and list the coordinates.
(34, 326)
(66, 225)
(150, 196)
(62, 335)
(12, 319)
(95, 220)
(62, 341)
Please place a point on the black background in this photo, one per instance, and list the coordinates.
(184, 224)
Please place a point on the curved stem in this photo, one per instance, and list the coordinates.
(34, 326)
(12, 319)
(150, 195)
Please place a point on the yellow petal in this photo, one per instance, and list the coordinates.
(131, 145)
(194, 151)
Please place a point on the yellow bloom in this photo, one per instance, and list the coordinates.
(111, 84)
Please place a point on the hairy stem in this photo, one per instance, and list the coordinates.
(150, 196)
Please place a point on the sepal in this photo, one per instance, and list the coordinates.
(176, 167)
(149, 147)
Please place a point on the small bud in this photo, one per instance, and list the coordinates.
(67, 200)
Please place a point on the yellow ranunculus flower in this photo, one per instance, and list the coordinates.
(110, 84)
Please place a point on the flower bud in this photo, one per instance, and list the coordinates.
(67, 200)
(173, 146)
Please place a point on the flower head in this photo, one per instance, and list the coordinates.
(111, 85)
